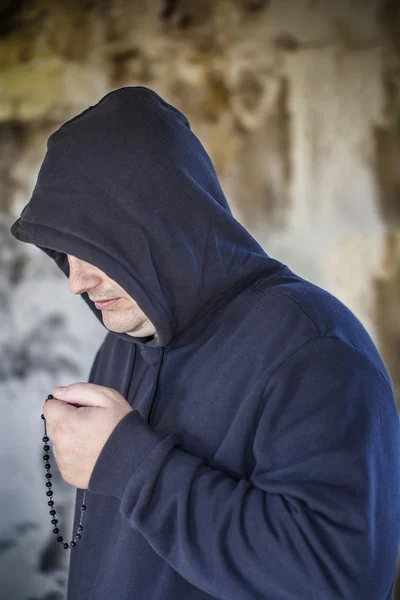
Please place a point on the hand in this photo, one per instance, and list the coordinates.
(79, 434)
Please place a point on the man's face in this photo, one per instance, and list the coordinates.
(123, 316)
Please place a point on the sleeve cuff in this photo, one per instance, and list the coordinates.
(129, 444)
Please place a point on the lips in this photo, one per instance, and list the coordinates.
(105, 304)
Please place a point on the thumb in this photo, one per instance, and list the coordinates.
(83, 394)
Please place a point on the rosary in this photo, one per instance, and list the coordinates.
(49, 492)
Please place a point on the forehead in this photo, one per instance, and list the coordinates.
(82, 263)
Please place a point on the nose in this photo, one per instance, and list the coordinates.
(81, 280)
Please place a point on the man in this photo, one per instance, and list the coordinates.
(238, 436)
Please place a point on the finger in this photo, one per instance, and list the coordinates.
(84, 394)
(49, 431)
(55, 410)
(56, 457)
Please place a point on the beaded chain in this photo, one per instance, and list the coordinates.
(49, 493)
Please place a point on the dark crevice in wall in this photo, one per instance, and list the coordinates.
(254, 5)
(389, 17)
(170, 7)
(10, 15)
(387, 161)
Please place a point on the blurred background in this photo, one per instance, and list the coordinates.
(297, 103)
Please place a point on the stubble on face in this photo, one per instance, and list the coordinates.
(125, 316)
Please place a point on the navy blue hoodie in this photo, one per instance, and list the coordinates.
(261, 460)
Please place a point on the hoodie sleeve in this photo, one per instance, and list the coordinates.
(322, 523)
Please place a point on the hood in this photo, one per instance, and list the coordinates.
(126, 186)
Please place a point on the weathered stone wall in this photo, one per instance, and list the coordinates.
(298, 104)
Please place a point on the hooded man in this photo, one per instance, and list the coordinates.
(252, 446)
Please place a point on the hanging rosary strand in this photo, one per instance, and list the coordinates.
(49, 492)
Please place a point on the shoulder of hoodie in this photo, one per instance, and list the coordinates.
(293, 311)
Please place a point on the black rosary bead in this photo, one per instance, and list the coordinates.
(56, 530)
